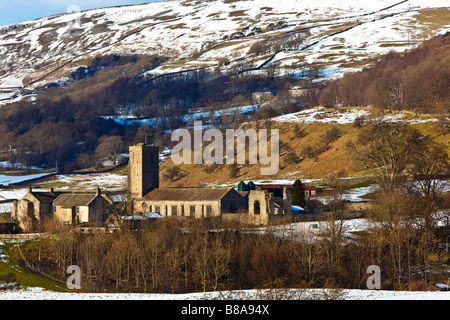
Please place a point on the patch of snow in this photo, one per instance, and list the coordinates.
(110, 181)
(345, 115)
(321, 114)
(152, 215)
(345, 294)
(353, 195)
(11, 165)
(7, 180)
(8, 194)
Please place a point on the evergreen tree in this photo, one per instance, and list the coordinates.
(298, 194)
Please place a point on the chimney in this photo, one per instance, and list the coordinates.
(29, 189)
(98, 192)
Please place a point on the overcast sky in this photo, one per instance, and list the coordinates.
(12, 11)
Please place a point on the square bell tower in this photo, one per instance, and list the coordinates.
(143, 170)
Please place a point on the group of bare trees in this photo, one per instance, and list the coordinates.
(165, 257)
(411, 171)
(204, 255)
(400, 152)
(417, 80)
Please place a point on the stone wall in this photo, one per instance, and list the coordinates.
(260, 206)
(193, 209)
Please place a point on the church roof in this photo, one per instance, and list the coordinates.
(187, 194)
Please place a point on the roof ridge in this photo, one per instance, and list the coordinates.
(197, 194)
(70, 200)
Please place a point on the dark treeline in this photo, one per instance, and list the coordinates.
(197, 256)
(416, 80)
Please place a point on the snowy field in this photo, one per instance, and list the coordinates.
(7, 180)
(16, 193)
(354, 294)
(109, 181)
(348, 116)
(106, 181)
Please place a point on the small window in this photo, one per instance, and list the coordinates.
(208, 211)
(192, 210)
(256, 207)
(158, 209)
(174, 210)
(233, 206)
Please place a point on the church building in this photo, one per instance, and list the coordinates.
(145, 195)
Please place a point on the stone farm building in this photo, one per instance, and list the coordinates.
(38, 207)
(70, 208)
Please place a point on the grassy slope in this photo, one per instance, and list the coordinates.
(337, 161)
(10, 267)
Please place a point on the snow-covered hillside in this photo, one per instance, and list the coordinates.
(337, 36)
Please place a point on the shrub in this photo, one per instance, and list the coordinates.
(172, 173)
(309, 151)
(331, 135)
(291, 158)
(359, 121)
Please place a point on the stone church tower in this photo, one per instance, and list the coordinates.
(143, 171)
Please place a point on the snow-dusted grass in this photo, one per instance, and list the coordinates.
(347, 294)
(348, 115)
(109, 181)
(321, 114)
(106, 181)
(16, 193)
(312, 229)
(353, 195)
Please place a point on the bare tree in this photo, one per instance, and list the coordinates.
(390, 146)
(110, 148)
(428, 165)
